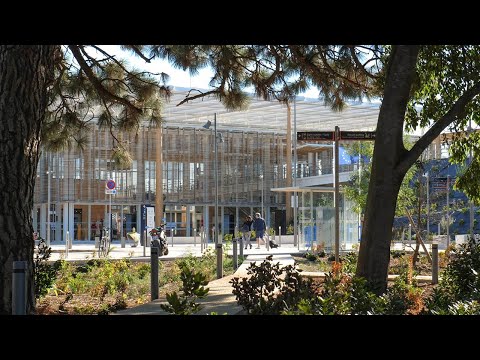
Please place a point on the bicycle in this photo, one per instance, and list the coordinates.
(104, 245)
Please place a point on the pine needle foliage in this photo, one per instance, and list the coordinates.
(93, 87)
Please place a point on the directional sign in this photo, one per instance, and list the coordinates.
(357, 135)
(111, 192)
(439, 183)
(110, 184)
(315, 135)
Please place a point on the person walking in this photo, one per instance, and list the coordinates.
(259, 226)
(247, 231)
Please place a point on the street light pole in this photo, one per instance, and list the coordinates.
(218, 240)
(469, 164)
(48, 208)
(217, 232)
(428, 205)
(263, 187)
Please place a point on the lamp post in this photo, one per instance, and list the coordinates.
(263, 187)
(469, 131)
(218, 240)
(428, 204)
(48, 208)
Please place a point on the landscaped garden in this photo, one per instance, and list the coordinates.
(274, 290)
(102, 286)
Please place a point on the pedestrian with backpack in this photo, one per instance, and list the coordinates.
(259, 226)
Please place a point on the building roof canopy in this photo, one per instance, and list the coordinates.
(311, 114)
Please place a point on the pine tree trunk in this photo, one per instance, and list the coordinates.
(386, 177)
(25, 73)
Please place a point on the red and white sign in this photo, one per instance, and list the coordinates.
(110, 184)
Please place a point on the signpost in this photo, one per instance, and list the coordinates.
(316, 135)
(439, 183)
(336, 136)
(109, 190)
(357, 135)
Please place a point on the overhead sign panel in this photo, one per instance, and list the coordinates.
(440, 183)
(357, 135)
(315, 135)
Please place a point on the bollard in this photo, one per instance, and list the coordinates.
(434, 263)
(267, 240)
(194, 237)
(122, 242)
(19, 288)
(154, 272)
(241, 246)
(279, 236)
(171, 236)
(219, 249)
(201, 242)
(67, 245)
(145, 242)
(235, 255)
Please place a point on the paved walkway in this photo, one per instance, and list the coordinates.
(82, 251)
(219, 298)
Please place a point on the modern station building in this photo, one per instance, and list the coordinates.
(261, 168)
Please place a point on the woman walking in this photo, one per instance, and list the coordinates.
(247, 230)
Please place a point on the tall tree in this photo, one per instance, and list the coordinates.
(443, 80)
(48, 92)
(49, 96)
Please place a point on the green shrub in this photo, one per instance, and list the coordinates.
(44, 274)
(193, 289)
(290, 229)
(460, 280)
(349, 262)
(397, 253)
(143, 269)
(460, 308)
(270, 289)
(341, 295)
(402, 297)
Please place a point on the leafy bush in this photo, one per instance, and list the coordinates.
(404, 297)
(341, 294)
(309, 256)
(143, 269)
(349, 262)
(270, 289)
(460, 308)
(290, 229)
(193, 289)
(460, 281)
(44, 274)
(397, 254)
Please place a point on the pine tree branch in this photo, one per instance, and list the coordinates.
(163, 89)
(137, 51)
(359, 64)
(104, 93)
(336, 73)
(202, 94)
